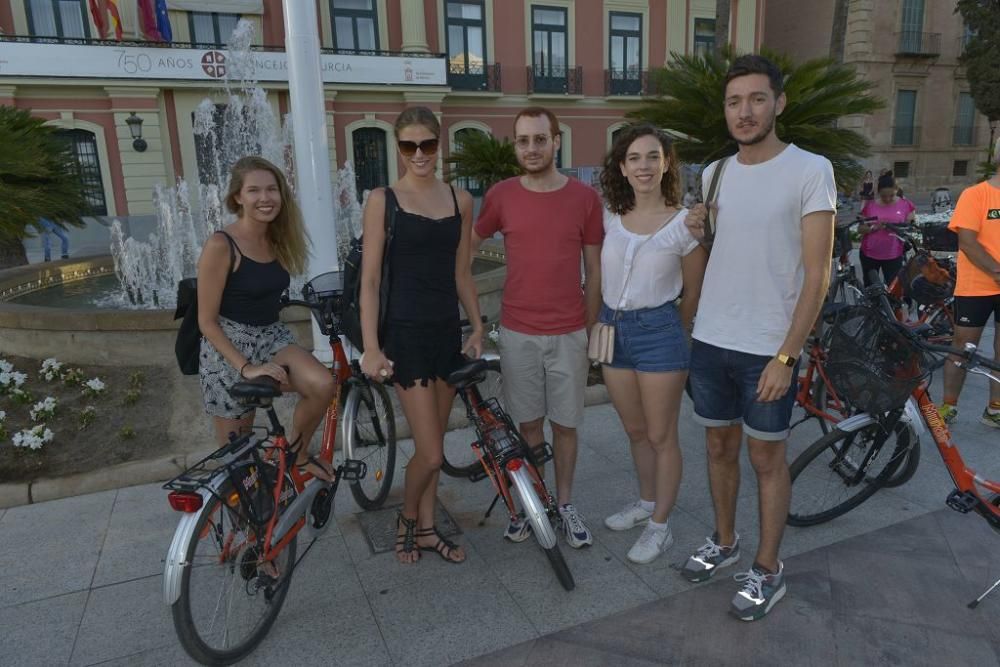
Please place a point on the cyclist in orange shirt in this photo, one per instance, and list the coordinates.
(976, 220)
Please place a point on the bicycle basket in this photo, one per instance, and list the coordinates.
(870, 362)
(325, 292)
(939, 238)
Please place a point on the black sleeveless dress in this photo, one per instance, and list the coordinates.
(422, 335)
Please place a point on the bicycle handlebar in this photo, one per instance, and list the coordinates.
(970, 355)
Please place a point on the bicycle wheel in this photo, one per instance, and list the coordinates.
(534, 512)
(908, 467)
(942, 323)
(370, 436)
(229, 596)
(459, 460)
(822, 476)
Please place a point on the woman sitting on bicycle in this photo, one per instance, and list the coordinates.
(648, 255)
(421, 345)
(242, 272)
(880, 248)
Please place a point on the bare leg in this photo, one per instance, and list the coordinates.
(444, 396)
(661, 402)
(223, 427)
(564, 445)
(994, 386)
(623, 387)
(774, 491)
(954, 377)
(315, 386)
(723, 445)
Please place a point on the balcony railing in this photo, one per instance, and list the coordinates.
(905, 135)
(626, 82)
(482, 77)
(921, 44)
(963, 135)
(567, 81)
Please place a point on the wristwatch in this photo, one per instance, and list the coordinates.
(786, 359)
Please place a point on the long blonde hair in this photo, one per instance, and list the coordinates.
(286, 233)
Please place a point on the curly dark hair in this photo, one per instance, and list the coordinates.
(618, 193)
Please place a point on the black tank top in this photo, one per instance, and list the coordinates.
(422, 269)
(253, 292)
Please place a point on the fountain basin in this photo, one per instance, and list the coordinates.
(104, 336)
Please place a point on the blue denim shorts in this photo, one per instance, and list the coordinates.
(724, 389)
(649, 340)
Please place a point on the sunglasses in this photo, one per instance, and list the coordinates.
(409, 148)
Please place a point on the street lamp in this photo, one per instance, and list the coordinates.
(135, 129)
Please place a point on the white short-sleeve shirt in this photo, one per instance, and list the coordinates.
(655, 263)
(755, 272)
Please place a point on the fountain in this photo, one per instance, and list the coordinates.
(134, 323)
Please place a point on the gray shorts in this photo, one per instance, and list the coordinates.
(544, 376)
(258, 345)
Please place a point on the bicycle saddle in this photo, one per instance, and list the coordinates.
(468, 374)
(258, 388)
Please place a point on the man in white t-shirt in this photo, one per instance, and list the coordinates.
(764, 286)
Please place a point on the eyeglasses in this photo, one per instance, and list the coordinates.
(409, 148)
(524, 142)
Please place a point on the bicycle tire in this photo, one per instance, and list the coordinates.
(908, 467)
(535, 513)
(243, 573)
(370, 436)
(458, 459)
(810, 502)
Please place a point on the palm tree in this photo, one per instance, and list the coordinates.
(723, 8)
(484, 159)
(38, 178)
(820, 92)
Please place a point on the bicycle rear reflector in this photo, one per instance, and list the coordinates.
(185, 501)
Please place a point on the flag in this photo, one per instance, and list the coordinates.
(147, 21)
(116, 19)
(163, 21)
(99, 10)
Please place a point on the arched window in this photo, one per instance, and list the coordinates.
(474, 187)
(371, 162)
(84, 147)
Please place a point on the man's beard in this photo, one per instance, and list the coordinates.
(545, 166)
(760, 136)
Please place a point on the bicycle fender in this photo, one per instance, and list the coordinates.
(914, 418)
(855, 423)
(347, 422)
(174, 564)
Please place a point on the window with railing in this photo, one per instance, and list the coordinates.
(58, 18)
(965, 118)
(901, 169)
(549, 38)
(625, 53)
(904, 129)
(84, 148)
(355, 25)
(212, 27)
(960, 168)
(704, 36)
(466, 44)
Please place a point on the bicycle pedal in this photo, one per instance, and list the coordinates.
(542, 453)
(352, 470)
(962, 501)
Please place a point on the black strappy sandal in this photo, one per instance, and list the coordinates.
(443, 547)
(293, 450)
(407, 542)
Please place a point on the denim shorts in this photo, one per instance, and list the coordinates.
(649, 340)
(724, 389)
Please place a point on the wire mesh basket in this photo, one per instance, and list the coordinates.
(325, 292)
(870, 362)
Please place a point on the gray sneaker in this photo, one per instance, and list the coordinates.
(761, 590)
(576, 532)
(709, 558)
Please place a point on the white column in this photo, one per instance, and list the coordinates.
(414, 26)
(312, 153)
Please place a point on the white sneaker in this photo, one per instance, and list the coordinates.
(630, 517)
(652, 543)
(576, 532)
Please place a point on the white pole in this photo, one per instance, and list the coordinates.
(312, 153)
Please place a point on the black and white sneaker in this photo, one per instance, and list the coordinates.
(577, 534)
(710, 558)
(761, 591)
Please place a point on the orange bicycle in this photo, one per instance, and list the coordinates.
(245, 505)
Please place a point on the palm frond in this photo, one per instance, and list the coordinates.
(483, 158)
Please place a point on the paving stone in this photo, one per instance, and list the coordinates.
(42, 632)
(13, 495)
(862, 640)
(379, 526)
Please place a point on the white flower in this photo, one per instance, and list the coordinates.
(3, 416)
(12, 379)
(51, 369)
(6, 366)
(43, 409)
(33, 438)
(95, 386)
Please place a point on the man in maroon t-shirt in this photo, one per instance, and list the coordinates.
(548, 221)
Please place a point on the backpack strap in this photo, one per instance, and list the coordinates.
(233, 249)
(713, 198)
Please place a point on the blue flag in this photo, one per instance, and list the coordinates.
(163, 21)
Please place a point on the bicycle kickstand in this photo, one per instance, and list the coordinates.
(490, 510)
(975, 603)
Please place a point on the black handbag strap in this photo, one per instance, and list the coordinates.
(233, 249)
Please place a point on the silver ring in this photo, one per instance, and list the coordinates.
(384, 373)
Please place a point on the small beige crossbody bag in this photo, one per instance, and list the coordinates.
(601, 347)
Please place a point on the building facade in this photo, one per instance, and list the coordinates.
(474, 62)
(929, 133)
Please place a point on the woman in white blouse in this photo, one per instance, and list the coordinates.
(648, 256)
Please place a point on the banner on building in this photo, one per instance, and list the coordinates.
(138, 63)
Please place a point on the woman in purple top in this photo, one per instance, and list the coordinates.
(880, 248)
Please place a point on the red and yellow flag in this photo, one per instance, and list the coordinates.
(116, 19)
